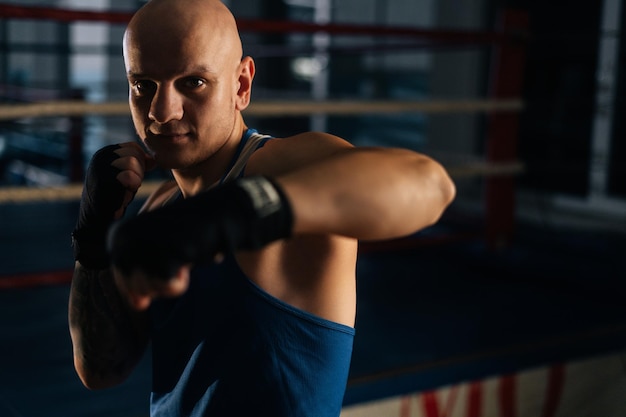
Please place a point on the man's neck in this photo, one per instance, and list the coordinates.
(209, 172)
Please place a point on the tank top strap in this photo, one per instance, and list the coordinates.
(250, 142)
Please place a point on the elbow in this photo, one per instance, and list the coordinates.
(96, 380)
(445, 193)
(448, 191)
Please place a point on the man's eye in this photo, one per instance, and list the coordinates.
(194, 82)
(142, 87)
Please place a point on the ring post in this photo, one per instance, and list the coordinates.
(507, 67)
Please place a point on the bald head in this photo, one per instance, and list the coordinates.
(178, 23)
(187, 79)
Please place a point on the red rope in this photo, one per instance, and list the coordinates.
(445, 36)
(9, 11)
(35, 280)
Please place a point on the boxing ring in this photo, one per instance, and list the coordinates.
(462, 319)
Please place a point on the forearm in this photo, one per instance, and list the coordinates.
(368, 193)
(107, 336)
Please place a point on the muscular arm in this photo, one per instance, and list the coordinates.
(108, 337)
(332, 189)
(364, 193)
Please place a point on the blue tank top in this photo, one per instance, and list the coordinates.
(228, 348)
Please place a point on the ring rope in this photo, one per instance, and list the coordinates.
(273, 108)
(11, 11)
(71, 192)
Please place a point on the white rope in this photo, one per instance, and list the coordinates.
(61, 108)
(486, 169)
(72, 192)
(346, 107)
(274, 108)
(267, 108)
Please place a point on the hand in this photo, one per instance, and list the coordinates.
(132, 163)
(139, 289)
(114, 175)
(150, 249)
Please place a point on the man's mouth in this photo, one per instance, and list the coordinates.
(169, 136)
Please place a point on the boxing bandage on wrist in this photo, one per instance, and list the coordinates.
(245, 214)
(269, 213)
(102, 196)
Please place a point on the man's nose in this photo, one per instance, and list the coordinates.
(166, 105)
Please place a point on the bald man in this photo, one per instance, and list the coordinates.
(241, 270)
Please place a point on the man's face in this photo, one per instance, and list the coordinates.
(183, 89)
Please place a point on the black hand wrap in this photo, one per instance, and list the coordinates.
(244, 214)
(102, 196)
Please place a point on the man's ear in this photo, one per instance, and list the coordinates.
(246, 75)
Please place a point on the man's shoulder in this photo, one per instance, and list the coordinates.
(316, 143)
(315, 136)
(295, 151)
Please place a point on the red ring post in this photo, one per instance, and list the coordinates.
(508, 61)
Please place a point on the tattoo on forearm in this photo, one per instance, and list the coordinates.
(108, 337)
